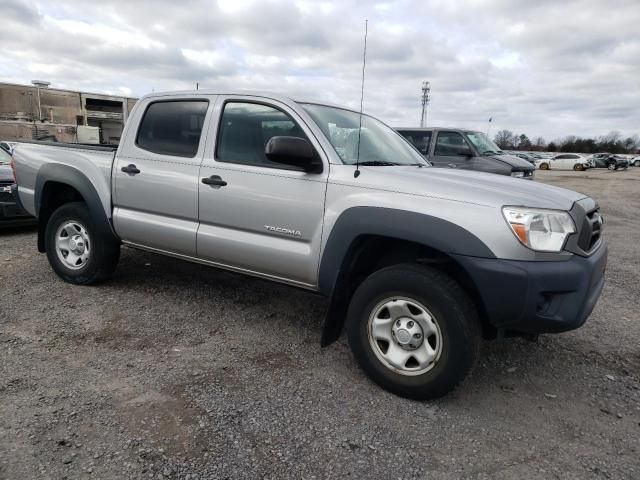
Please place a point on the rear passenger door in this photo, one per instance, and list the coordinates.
(258, 216)
(562, 162)
(448, 149)
(155, 176)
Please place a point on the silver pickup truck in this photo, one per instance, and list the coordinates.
(418, 263)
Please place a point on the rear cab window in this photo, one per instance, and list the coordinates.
(172, 127)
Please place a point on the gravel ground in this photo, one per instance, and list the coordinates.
(174, 370)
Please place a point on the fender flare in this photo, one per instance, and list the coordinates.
(74, 178)
(429, 231)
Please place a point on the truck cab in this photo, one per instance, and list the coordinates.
(465, 150)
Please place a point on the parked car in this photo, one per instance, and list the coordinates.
(465, 150)
(419, 263)
(10, 213)
(608, 160)
(7, 146)
(564, 161)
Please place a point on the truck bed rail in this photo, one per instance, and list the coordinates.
(83, 146)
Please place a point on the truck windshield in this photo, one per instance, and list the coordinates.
(483, 144)
(379, 145)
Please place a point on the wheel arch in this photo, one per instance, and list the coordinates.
(366, 239)
(58, 184)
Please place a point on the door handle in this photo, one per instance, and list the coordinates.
(214, 181)
(131, 169)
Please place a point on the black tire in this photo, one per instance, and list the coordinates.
(544, 166)
(636, 163)
(449, 305)
(105, 252)
(578, 168)
(612, 166)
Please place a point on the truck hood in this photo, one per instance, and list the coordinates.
(516, 162)
(468, 186)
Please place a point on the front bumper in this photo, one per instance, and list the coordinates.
(538, 297)
(11, 212)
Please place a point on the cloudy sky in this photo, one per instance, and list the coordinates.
(546, 68)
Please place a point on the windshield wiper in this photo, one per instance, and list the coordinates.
(379, 163)
(490, 152)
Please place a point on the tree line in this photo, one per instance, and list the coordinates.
(613, 142)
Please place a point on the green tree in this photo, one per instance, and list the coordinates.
(523, 142)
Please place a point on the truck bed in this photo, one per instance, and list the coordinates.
(40, 161)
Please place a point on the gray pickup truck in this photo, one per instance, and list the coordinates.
(466, 150)
(418, 263)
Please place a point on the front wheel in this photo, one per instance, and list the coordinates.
(578, 167)
(413, 330)
(636, 163)
(76, 250)
(544, 166)
(612, 166)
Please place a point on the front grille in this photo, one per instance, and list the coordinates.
(591, 230)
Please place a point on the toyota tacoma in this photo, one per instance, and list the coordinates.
(418, 263)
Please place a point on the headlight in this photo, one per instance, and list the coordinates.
(541, 230)
(517, 174)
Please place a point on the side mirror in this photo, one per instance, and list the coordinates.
(465, 152)
(293, 151)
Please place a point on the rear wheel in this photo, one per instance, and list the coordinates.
(636, 163)
(76, 250)
(544, 166)
(413, 330)
(578, 167)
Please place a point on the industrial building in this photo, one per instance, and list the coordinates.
(39, 112)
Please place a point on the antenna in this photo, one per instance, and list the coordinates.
(356, 174)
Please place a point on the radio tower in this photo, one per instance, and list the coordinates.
(426, 96)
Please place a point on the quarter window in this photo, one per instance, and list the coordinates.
(420, 140)
(172, 127)
(245, 129)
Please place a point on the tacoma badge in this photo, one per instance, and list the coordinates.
(286, 231)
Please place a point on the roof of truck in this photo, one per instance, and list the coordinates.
(245, 93)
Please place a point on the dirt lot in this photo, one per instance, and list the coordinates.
(173, 370)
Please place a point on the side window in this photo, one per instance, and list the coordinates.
(172, 127)
(420, 140)
(562, 157)
(245, 129)
(450, 144)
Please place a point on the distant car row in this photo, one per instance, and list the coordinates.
(576, 161)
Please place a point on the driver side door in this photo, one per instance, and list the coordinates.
(448, 151)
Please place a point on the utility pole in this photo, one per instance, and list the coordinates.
(426, 96)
